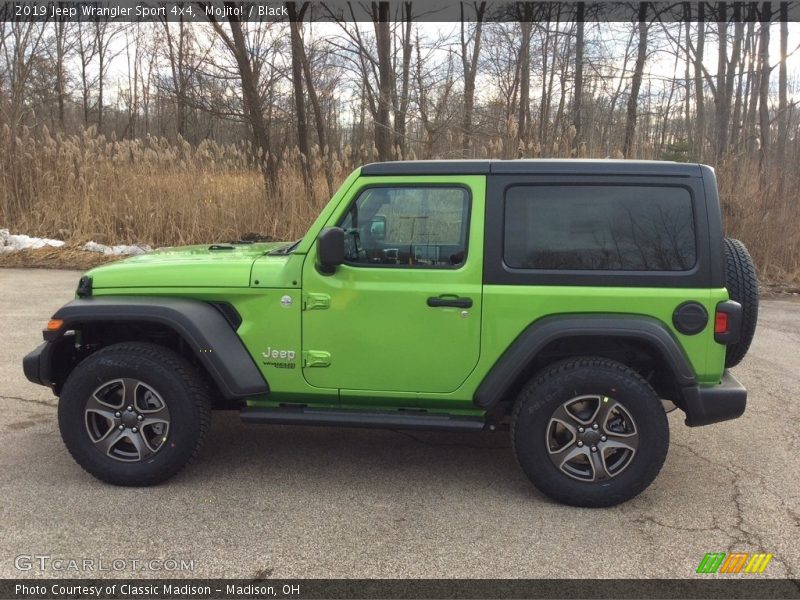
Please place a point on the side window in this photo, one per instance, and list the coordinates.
(407, 226)
(599, 227)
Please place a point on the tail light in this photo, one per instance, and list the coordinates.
(727, 322)
(721, 322)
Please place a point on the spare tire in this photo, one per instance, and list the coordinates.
(742, 284)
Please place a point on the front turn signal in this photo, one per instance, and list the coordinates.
(54, 324)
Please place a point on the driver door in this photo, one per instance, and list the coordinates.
(403, 313)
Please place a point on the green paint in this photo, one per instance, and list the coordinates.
(365, 336)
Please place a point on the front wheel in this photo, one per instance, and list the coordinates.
(134, 413)
(590, 432)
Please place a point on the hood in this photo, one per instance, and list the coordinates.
(216, 265)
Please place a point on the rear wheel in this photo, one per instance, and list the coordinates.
(742, 284)
(590, 432)
(134, 413)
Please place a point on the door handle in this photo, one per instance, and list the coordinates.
(437, 301)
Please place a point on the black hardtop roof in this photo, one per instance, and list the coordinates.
(541, 166)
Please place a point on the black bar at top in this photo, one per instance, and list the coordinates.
(422, 11)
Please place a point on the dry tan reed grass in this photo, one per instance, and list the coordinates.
(763, 212)
(89, 187)
(55, 258)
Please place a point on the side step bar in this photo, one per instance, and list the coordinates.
(352, 418)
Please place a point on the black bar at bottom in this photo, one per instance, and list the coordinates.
(704, 586)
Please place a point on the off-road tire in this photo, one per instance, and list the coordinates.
(742, 284)
(574, 377)
(180, 385)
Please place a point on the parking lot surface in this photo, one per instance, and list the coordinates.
(317, 503)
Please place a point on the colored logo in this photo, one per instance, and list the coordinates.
(736, 562)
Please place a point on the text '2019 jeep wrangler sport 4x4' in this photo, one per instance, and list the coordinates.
(561, 299)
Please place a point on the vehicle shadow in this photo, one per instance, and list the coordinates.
(335, 458)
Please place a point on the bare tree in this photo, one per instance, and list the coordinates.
(547, 84)
(104, 34)
(432, 111)
(699, 89)
(735, 78)
(763, 92)
(383, 127)
(184, 65)
(21, 44)
(636, 82)
(400, 97)
(469, 63)
(525, 16)
(87, 50)
(751, 93)
(249, 69)
(720, 91)
(577, 108)
(61, 48)
(783, 82)
(319, 117)
(295, 18)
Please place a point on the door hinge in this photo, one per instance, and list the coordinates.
(316, 301)
(316, 358)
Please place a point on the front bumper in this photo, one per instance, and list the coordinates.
(705, 405)
(36, 365)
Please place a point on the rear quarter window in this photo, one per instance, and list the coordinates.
(599, 227)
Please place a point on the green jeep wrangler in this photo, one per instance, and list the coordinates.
(571, 302)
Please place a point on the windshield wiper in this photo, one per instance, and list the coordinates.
(287, 249)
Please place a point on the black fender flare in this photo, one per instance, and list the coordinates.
(516, 358)
(203, 327)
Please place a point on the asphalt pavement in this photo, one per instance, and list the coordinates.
(316, 503)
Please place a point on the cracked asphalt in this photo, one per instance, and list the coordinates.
(307, 502)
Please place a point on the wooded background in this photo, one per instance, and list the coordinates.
(169, 133)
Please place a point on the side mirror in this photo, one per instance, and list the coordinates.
(377, 228)
(330, 249)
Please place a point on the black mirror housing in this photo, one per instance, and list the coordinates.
(330, 249)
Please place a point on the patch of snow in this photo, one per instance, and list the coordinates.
(13, 243)
(120, 250)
